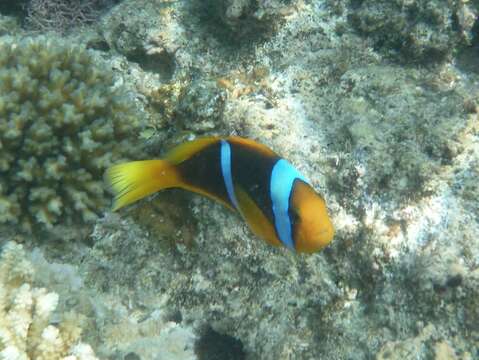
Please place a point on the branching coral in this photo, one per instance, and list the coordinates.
(25, 313)
(62, 123)
(62, 15)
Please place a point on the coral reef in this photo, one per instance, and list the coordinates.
(123, 329)
(135, 45)
(146, 336)
(63, 123)
(393, 148)
(12, 7)
(189, 105)
(26, 312)
(421, 31)
(398, 151)
(33, 319)
(8, 25)
(238, 21)
(63, 15)
(383, 142)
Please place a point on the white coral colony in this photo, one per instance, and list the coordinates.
(25, 312)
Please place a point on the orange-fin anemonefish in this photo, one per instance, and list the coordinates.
(276, 201)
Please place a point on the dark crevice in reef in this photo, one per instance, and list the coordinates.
(233, 32)
(13, 7)
(215, 346)
(467, 57)
(163, 63)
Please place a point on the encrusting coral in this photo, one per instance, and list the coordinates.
(62, 123)
(25, 313)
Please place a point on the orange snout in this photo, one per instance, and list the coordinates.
(313, 229)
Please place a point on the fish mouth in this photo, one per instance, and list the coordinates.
(326, 234)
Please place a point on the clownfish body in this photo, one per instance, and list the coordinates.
(275, 200)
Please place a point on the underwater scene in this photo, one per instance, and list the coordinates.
(239, 179)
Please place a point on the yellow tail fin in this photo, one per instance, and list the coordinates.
(135, 180)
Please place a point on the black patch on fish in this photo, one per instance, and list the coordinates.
(252, 171)
(203, 171)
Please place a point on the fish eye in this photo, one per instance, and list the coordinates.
(294, 216)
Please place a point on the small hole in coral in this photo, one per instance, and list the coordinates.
(215, 346)
(161, 63)
(132, 356)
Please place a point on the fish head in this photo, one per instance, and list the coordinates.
(312, 227)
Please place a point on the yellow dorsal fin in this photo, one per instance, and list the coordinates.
(263, 149)
(186, 150)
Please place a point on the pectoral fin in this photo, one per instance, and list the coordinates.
(256, 220)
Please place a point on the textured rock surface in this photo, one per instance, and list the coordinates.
(416, 30)
(394, 149)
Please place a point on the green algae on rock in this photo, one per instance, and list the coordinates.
(188, 105)
(8, 25)
(62, 123)
(418, 31)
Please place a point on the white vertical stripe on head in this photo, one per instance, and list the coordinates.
(282, 181)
